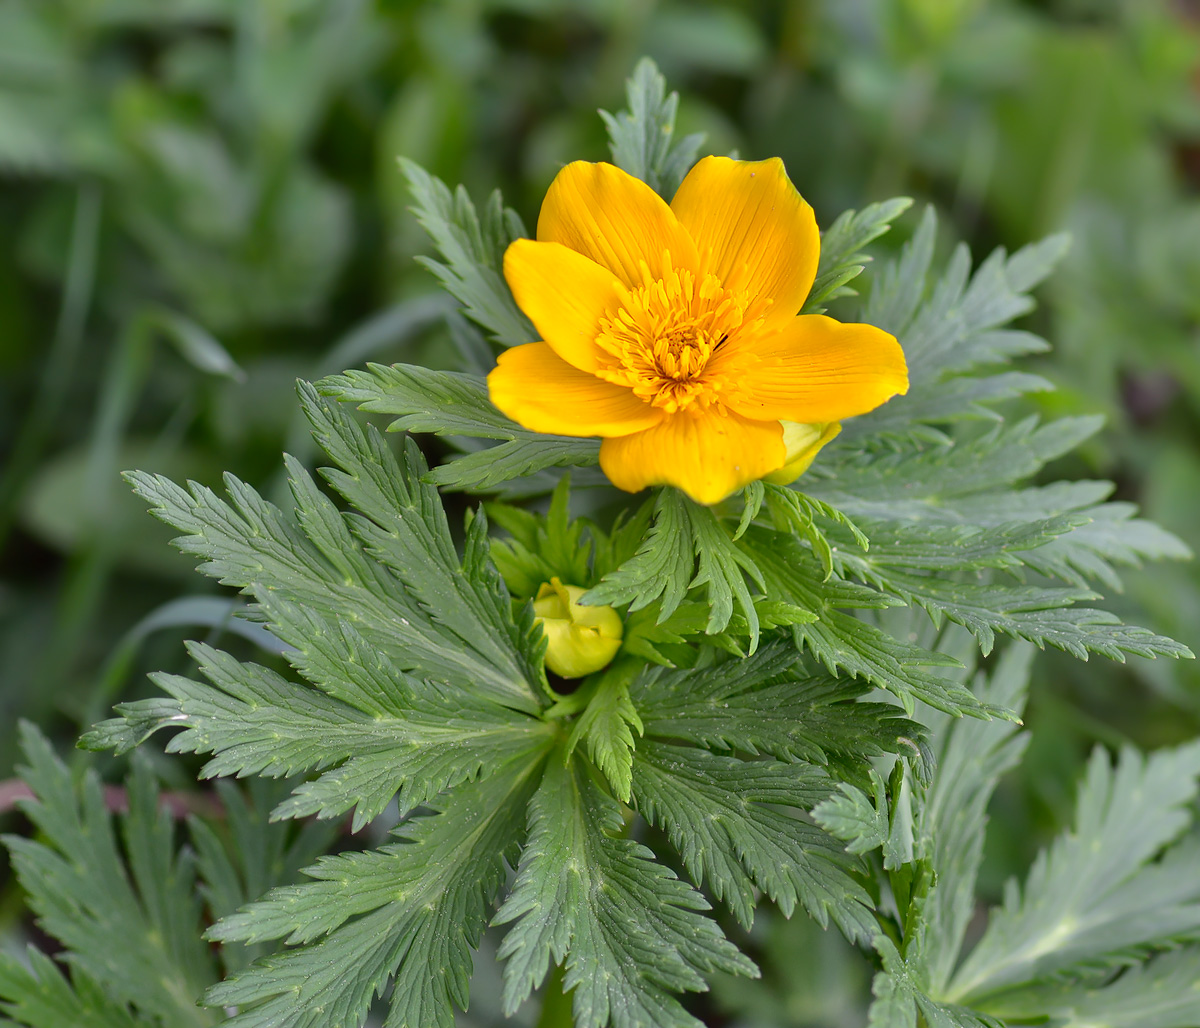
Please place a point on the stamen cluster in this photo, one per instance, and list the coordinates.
(665, 341)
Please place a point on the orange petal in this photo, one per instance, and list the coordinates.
(752, 230)
(542, 392)
(616, 220)
(707, 455)
(817, 369)
(565, 295)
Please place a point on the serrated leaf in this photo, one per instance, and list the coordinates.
(606, 727)
(813, 717)
(972, 757)
(82, 893)
(409, 912)
(662, 566)
(394, 571)
(715, 811)
(900, 997)
(994, 458)
(842, 642)
(685, 537)
(641, 137)
(472, 251)
(40, 996)
(1160, 993)
(842, 259)
(453, 404)
(627, 931)
(1095, 894)
(256, 722)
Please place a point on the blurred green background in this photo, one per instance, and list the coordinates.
(201, 203)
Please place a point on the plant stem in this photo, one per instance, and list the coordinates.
(556, 1006)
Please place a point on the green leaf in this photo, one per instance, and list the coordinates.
(971, 758)
(424, 739)
(1112, 535)
(863, 487)
(1097, 893)
(863, 822)
(662, 566)
(607, 725)
(683, 534)
(82, 894)
(1042, 616)
(393, 572)
(627, 931)
(814, 718)
(242, 855)
(951, 325)
(472, 251)
(40, 996)
(544, 546)
(452, 404)
(842, 642)
(405, 529)
(901, 1001)
(842, 256)
(721, 814)
(641, 137)
(1161, 993)
(423, 400)
(410, 912)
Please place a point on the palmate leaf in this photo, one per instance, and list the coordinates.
(627, 931)
(1161, 993)
(394, 569)
(91, 885)
(953, 518)
(456, 405)
(860, 486)
(472, 252)
(1096, 896)
(944, 847)
(411, 911)
(970, 761)
(687, 546)
(641, 138)
(426, 740)
(901, 1000)
(607, 725)
(83, 894)
(842, 259)
(844, 643)
(917, 573)
(953, 324)
(40, 996)
(814, 718)
(245, 854)
(719, 814)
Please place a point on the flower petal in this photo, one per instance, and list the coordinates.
(616, 220)
(752, 230)
(542, 392)
(565, 295)
(707, 455)
(817, 369)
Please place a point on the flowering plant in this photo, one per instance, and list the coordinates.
(732, 695)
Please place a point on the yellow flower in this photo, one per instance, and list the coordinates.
(671, 331)
(579, 640)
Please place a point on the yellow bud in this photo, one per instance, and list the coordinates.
(803, 443)
(579, 639)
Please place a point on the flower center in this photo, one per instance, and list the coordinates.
(664, 342)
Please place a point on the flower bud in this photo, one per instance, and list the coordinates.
(803, 443)
(579, 639)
